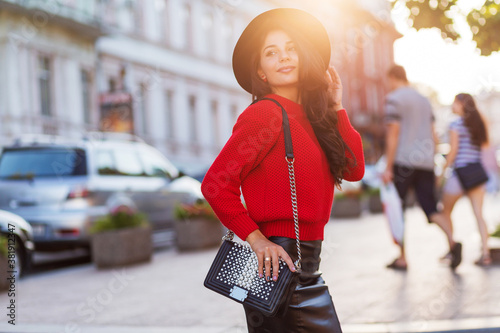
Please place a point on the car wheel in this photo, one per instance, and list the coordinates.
(20, 262)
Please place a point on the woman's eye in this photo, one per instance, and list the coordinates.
(270, 53)
(291, 48)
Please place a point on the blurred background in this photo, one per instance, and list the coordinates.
(112, 107)
(160, 72)
(161, 69)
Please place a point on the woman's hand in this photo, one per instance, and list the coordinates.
(387, 176)
(265, 249)
(334, 87)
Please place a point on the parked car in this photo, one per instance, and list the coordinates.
(13, 224)
(61, 187)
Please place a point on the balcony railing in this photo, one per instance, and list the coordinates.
(83, 16)
(13, 126)
(85, 12)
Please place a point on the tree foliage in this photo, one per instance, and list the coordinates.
(484, 22)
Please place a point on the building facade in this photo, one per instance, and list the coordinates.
(48, 60)
(162, 68)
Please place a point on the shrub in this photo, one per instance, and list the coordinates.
(200, 209)
(496, 233)
(3, 246)
(120, 218)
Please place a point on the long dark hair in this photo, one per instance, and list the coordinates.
(317, 104)
(473, 120)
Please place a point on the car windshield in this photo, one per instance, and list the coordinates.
(42, 162)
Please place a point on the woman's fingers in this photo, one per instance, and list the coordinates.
(276, 265)
(267, 263)
(335, 88)
(286, 258)
(334, 75)
(268, 256)
(329, 77)
(260, 265)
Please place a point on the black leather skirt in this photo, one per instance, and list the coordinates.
(311, 307)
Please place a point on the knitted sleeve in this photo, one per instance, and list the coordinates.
(353, 140)
(254, 134)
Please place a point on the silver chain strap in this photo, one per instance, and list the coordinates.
(293, 191)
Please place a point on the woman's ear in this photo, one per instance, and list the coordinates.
(261, 74)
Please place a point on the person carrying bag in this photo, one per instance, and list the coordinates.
(467, 135)
(282, 59)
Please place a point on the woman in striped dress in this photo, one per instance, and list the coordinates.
(467, 136)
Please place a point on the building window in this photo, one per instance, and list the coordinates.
(214, 118)
(169, 103)
(208, 25)
(143, 108)
(86, 96)
(137, 9)
(45, 82)
(112, 85)
(234, 112)
(193, 119)
(161, 7)
(369, 59)
(188, 27)
(375, 97)
(227, 33)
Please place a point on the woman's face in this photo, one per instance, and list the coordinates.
(279, 61)
(457, 107)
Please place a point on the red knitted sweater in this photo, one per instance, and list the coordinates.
(254, 159)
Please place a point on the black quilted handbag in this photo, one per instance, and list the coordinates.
(234, 272)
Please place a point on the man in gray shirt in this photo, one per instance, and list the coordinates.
(410, 149)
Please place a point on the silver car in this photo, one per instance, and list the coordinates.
(19, 232)
(62, 187)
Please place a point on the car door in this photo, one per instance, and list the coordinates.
(120, 175)
(162, 200)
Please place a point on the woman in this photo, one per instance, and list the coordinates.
(284, 54)
(467, 136)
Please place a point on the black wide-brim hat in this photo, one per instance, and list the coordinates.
(246, 46)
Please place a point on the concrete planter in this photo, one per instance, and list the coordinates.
(494, 245)
(4, 283)
(375, 204)
(346, 207)
(122, 247)
(198, 233)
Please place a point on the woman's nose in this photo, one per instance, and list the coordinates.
(284, 56)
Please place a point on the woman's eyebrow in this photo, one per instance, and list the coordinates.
(289, 42)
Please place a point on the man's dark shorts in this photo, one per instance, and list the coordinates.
(423, 181)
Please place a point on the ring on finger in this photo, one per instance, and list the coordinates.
(267, 259)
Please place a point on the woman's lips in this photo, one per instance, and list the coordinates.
(286, 69)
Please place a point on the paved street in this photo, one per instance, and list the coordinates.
(167, 295)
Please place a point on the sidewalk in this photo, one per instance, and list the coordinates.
(167, 295)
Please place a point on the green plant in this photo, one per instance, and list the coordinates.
(120, 218)
(349, 194)
(3, 246)
(195, 210)
(496, 233)
(372, 191)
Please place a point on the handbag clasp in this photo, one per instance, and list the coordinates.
(238, 293)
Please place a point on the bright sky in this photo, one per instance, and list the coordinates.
(449, 68)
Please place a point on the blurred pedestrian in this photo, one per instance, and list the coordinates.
(410, 149)
(467, 135)
(284, 54)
